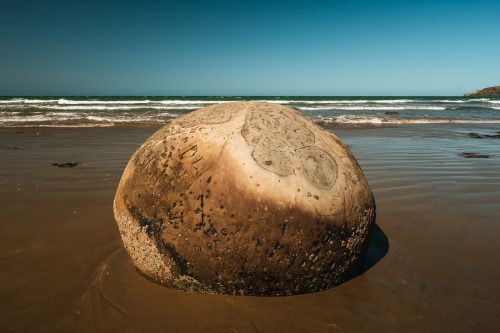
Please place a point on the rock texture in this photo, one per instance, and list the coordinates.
(244, 198)
(490, 91)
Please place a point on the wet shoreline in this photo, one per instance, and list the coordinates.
(64, 267)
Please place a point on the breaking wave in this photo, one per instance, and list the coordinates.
(385, 120)
(110, 111)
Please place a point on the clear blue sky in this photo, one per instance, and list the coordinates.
(248, 47)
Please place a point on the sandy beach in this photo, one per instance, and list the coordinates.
(64, 267)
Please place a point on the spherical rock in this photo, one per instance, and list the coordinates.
(244, 198)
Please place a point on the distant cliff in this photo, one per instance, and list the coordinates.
(490, 91)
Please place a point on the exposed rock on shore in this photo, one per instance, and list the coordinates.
(244, 198)
(490, 91)
(65, 165)
(484, 136)
(474, 155)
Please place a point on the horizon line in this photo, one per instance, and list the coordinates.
(352, 96)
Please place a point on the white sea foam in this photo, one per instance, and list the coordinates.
(167, 114)
(65, 101)
(451, 101)
(469, 101)
(356, 101)
(63, 114)
(394, 101)
(281, 101)
(12, 106)
(454, 101)
(67, 112)
(114, 107)
(7, 101)
(340, 104)
(346, 119)
(374, 108)
(63, 125)
(480, 99)
(39, 101)
(90, 107)
(27, 101)
(67, 116)
(101, 107)
(124, 119)
(34, 118)
(79, 102)
(176, 107)
(174, 101)
(111, 119)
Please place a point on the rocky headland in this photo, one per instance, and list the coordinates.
(490, 91)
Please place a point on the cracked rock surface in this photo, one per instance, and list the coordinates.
(245, 198)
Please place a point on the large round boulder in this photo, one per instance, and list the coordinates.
(244, 198)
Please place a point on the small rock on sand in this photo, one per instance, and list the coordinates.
(65, 165)
(484, 136)
(474, 155)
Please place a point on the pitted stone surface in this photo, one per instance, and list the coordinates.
(319, 167)
(209, 116)
(273, 141)
(244, 198)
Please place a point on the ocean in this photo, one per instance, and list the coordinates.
(81, 111)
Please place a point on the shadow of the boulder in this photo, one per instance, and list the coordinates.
(376, 249)
(378, 246)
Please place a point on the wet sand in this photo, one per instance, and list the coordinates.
(63, 267)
